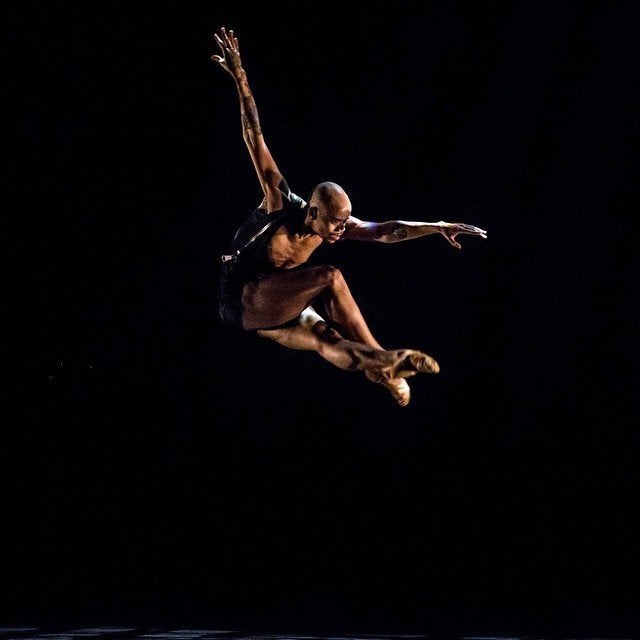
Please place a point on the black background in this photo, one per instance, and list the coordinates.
(160, 468)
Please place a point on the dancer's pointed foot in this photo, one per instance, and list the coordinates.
(398, 387)
(411, 362)
(400, 390)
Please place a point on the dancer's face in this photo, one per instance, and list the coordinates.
(329, 224)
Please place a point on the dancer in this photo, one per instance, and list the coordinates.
(266, 283)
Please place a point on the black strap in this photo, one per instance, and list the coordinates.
(233, 257)
(275, 217)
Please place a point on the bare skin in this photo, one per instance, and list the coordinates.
(344, 339)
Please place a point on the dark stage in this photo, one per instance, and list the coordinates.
(162, 471)
(130, 633)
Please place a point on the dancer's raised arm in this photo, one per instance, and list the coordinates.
(272, 182)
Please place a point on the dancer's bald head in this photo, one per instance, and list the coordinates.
(330, 196)
(328, 212)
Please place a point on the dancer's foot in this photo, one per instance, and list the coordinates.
(411, 362)
(398, 387)
(400, 390)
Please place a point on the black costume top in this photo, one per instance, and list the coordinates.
(248, 257)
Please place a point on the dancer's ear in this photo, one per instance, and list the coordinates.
(313, 213)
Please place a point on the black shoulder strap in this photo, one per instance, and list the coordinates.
(233, 257)
(293, 201)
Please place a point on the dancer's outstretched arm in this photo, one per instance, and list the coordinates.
(398, 230)
(272, 182)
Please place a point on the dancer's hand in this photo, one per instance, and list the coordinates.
(229, 47)
(452, 229)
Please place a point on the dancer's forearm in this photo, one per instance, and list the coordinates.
(251, 130)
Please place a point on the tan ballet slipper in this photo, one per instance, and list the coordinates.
(411, 362)
(398, 387)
